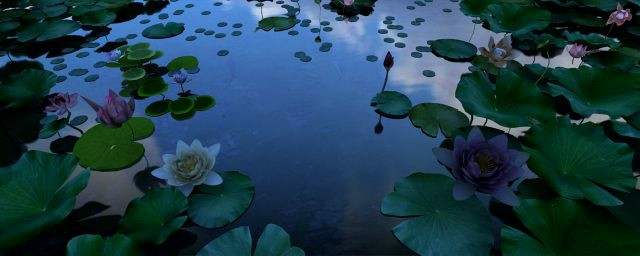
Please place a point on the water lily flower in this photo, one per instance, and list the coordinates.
(388, 61)
(61, 103)
(115, 111)
(486, 166)
(499, 53)
(348, 2)
(190, 166)
(114, 55)
(180, 78)
(578, 50)
(619, 16)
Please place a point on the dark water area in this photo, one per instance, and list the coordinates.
(303, 131)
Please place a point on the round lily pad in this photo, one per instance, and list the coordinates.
(372, 58)
(400, 44)
(157, 108)
(223, 53)
(59, 67)
(217, 206)
(391, 103)
(428, 73)
(134, 74)
(78, 72)
(209, 32)
(205, 13)
(141, 54)
(152, 87)
(108, 149)
(200, 30)
(383, 31)
(204, 102)
(220, 35)
(191, 38)
(236, 33)
(163, 16)
(57, 61)
(159, 31)
(99, 64)
(182, 105)
(434, 117)
(389, 40)
(91, 78)
(293, 33)
(222, 24)
(453, 49)
(416, 54)
(237, 25)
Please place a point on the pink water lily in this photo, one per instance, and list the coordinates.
(115, 111)
(61, 103)
(619, 16)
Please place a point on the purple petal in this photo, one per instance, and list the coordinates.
(506, 196)
(499, 141)
(462, 190)
(445, 156)
(475, 137)
(518, 158)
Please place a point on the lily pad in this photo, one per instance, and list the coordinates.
(153, 217)
(95, 245)
(514, 103)
(453, 49)
(438, 224)
(160, 31)
(141, 127)
(517, 18)
(204, 102)
(392, 103)
(157, 108)
(182, 105)
(432, 117)
(184, 62)
(575, 160)
(578, 229)
(593, 40)
(108, 149)
(134, 74)
(153, 86)
(50, 129)
(598, 91)
(217, 206)
(276, 23)
(273, 241)
(140, 54)
(26, 88)
(78, 72)
(47, 30)
(36, 195)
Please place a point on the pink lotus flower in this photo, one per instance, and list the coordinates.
(115, 110)
(619, 16)
(348, 2)
(62, 102)
(499, 54)
(578, 50)
(388, 61)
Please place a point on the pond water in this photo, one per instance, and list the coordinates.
(303, 131)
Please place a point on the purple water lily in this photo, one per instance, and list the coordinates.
(115, 110)
(180, 78)
(486, 166)
(114, 55)
(62, 102)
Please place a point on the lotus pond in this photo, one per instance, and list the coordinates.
(319, 127)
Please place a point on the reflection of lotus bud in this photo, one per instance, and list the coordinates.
(115, 111)
(180, 78)
(318, 39)
(388, 61)
(378, 128)
(578, 50)
(114, 55)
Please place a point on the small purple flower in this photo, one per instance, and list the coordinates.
(114, 55)
(62, 102)
(115, 110)
(486, 166)
(180, 78)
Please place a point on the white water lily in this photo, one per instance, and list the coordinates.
(190, 166)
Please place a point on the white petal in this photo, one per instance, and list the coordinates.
(196, 144)
(214, 150)
(168, 158)
(161, 173)
(213, 179)
(186, 189)
(181, 147)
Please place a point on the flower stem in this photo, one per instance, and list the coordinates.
(261, 14)
(75, 128)
(386, 78)
(545, 70)
(610, 29)
(473, 32)
(581, 121)
(146, 160)
(471, 121)
(486, 120)
(534, 59)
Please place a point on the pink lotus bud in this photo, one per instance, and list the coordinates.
(348, 2)
(115, 111)
(62, 102)
(388, 61)
(578, 50)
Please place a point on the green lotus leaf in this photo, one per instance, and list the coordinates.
(438, 224)
(475, 8)
(47, 30)
(598, 91)
(273, 241)
(612, 60)
(24, 128)
(217, 206)
(157, 108)
(604, 5)
(182, 105)
(514, 103)
(98, 18)
(183, 62)
(160, 31)
(578, 229)
(432, 117)
(134, 47)
(624, 129)
(391, 103)
(108, 149)
(517, 18)
(185, 116)
(36, 195)
(633, 119)
(141, 127)
(78, 120)
(153, 217)
(8, 26)
(28, 87)
(126, 62)
(153, 86)
(52, 128)
(277, 23)
(134, 74)
(204, 102)
(453, 49)
(140, 54)
(593, 40)
(575, 160)
(628, 212)
(95, 245)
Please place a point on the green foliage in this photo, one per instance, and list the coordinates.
(28, 87)
(391, 103)
(95, 245)
(273, 241)
(453, 49)
(432, 117)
